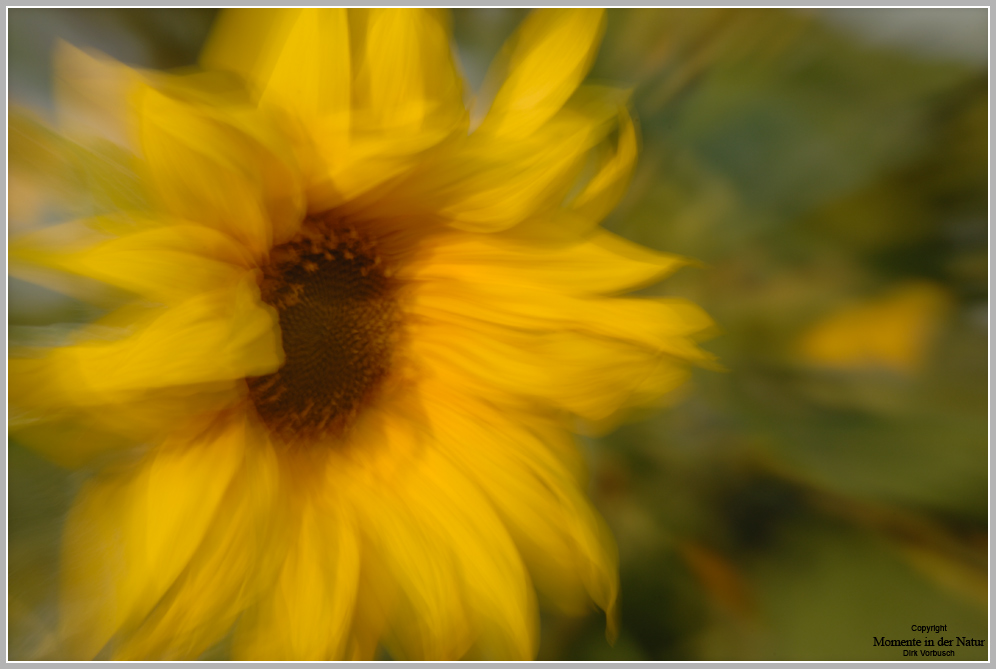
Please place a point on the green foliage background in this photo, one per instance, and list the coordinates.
(779, 509)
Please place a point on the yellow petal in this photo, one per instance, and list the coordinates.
(662, 324)
(548, 57)
(592, 377)
(91, 92)
(208, 172)
(568, 549)
(247, 42)
(237, 559)
(484, 183)
(130, 536)
(308, 613)
(499, 592)
(489, 184)
(297, 59)
(52, 412)
(221, 336)
(164, 263)
(28, 260)
(591, 356)
(407, 99)
(311, 73)
(431, 621)
(499, 188)
(407, 76)
(602, 264)
(605, 189)
(454, 562)
(406, 96)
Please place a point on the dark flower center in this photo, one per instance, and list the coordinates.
(338, 318)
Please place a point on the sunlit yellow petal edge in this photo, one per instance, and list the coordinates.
(453, 505)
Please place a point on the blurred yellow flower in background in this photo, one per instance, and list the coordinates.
(353, 333)
(893, 332)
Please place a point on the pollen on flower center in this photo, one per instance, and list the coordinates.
(338, 321)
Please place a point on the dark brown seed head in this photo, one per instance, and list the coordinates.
(338, 322)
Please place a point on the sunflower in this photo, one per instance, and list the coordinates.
(353, 335)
